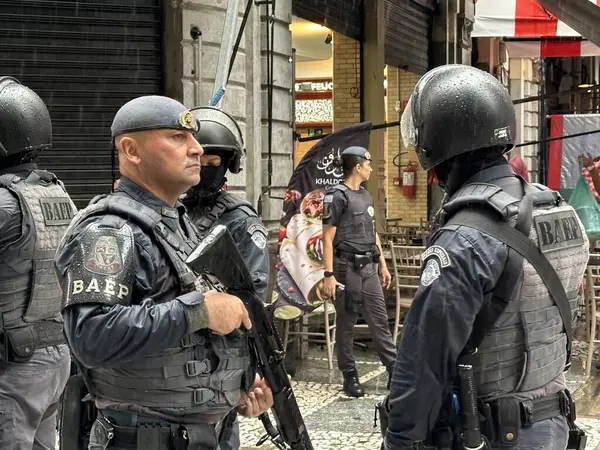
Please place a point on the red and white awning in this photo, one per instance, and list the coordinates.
(551, 48)
(518, 18)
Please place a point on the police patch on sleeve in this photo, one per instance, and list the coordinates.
(439, 253)
(258, 233)
(430, 273)
(102, 269)
(105, 257)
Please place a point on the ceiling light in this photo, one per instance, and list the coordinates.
(316, 26)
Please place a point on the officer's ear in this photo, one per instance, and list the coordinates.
(128, 149)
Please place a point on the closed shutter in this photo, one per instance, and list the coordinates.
(341, 16)
(407, 26)
(85, 58)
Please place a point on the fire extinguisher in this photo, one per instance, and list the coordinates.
(409, 185)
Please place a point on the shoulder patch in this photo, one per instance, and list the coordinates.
(437, 252)
(430, 273)
(103, 266)
(258, 233)
(105, 256)
(557, 231)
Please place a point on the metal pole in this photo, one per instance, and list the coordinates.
(558, 138)
(197, 37)
(294, 143)
(229, 27)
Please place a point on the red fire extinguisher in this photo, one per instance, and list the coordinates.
(409, 184)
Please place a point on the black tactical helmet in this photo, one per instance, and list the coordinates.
(220, 132)
(457, 109)
(25, 124)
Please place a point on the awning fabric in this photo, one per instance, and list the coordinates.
(540, 33)
(551, 48)
(518, 18)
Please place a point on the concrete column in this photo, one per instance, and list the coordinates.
(373, 98)
(346, 79)
(190, 61)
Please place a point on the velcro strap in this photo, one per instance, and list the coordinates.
(147, 436)
(240, 362)
(544, 408)
(50, 333)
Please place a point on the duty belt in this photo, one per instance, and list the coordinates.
(507, 416)
(131, 430)
(354, 257)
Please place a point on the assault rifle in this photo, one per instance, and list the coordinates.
(218, 255)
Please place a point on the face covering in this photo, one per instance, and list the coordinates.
(212, 179)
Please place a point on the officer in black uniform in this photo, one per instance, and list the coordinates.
(480, 304)
(156, 345)
(210, 204)
(35, 211)
(351, 253)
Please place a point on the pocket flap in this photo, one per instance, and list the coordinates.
(22, 341)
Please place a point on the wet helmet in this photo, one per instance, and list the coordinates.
(220, 134)
(457, 109)
(25, 124)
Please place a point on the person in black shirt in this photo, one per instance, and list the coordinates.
(352, 254)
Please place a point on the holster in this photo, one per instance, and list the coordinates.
(381, 412)
(353, 301)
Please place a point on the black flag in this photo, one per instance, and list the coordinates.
(299, 269)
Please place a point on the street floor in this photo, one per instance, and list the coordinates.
(336, 421)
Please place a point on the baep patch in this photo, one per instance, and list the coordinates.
(431, 272)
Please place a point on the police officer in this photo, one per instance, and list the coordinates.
(352, 254)
(479, 301)
(34, 213)
(158, 356)
(210, 204)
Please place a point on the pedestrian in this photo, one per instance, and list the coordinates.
(210, 204)
(161, 359)
(480, 305)
(351, 257)
(35, 211)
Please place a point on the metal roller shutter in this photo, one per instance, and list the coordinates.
(341, 16)
(85, 58)
(407, 26)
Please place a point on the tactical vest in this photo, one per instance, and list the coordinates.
(30, 303)
(526, 347)
(357, 224)
(224, 202)
(206, 372)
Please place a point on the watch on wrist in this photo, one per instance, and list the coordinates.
(590, 168)
(328, 274)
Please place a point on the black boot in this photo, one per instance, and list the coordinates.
(352, 386)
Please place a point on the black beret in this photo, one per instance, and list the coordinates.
(153, 112)
(357, 151)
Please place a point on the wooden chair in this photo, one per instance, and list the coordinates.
(302, 334)
(592, 296)
(406, 263)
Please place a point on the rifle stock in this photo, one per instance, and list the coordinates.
(218, 255)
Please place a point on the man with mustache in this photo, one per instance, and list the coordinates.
(159, 349)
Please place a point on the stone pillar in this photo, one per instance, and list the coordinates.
(190, 61)
(524, 83)
(373, 99)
